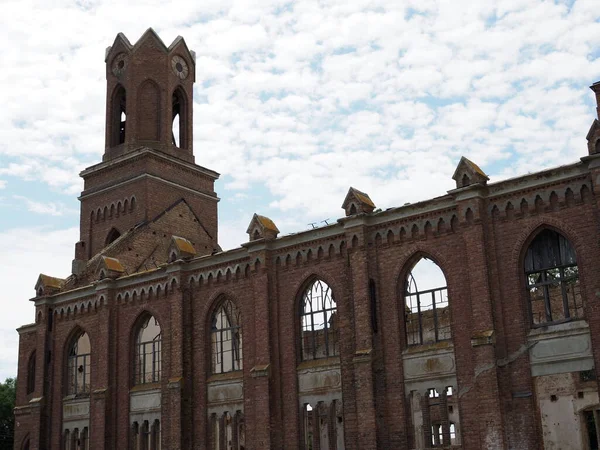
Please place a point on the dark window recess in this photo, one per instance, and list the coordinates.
(587, 375)
(552, 279)
(31, 374)
(373, 298)
(590, 424)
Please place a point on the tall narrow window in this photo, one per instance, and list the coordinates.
(427, 315)
(319, 322)
(179, 105)
(31, 374)
(148, 352)
(226, 338)
(552, 279)
(119, 116)
(79, 365)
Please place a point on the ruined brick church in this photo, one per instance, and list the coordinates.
(468, 321)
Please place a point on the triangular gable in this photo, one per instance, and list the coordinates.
(262, 227)
(46, 284)
(120, 44)
(150, 34)
(467, 173)
(593, 130)
(361, 201)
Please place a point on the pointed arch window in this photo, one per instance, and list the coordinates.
(319, 327)
(552, 278)
(226, 338)
(79, 366)
(179, 124)
(148, 358)
(112, 236)
(427, 316)
(119, 116)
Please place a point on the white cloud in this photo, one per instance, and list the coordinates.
(31, 251)
(47, 208)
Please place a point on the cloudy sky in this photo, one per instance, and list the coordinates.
(295, 101)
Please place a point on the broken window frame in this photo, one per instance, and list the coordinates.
(437, 298)
(78, 363)
(149, 348)
(550, 260)
(320, 294)
(228, 329)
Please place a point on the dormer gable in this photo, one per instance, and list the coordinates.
(593, 138)
(261, 227)
(180, 248)
(109, 268)
(357, 202)
(468, 173)
(47, 285)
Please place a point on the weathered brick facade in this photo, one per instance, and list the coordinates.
(501, 381)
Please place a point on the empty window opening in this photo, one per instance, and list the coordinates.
(552, 278)
(323, 425)
(227, 431)
(591, 419)
(426, 304)
(146, 436)
(148, 352)
(319, 327)
(179, 131)
(79, 366)
(119, 117)
(226, 338)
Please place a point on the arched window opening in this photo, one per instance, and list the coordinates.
(148, 360)
(31, 374)
(179, 123)
(26, 444)
(226, 338)
(552, 279)
(119, 116)
(319, 333)
(79, 366)
(112, 236)
(426, 304)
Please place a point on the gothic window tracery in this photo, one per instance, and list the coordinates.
(148, 352)
(427, 315)
(79, 366)
(226, 338)
(319, 328)
(552, 279)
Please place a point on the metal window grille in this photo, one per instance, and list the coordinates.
(226, 338)
(552, 279)
(79, 367)
(319, 322)
(149, 352)
(427, 314)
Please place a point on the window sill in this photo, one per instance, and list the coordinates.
(76, 397)
(237, 374)
(441, 345)
(145, 387)
(559, 327)
(321, 362)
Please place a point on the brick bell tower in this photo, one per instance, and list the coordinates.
(148, 162)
